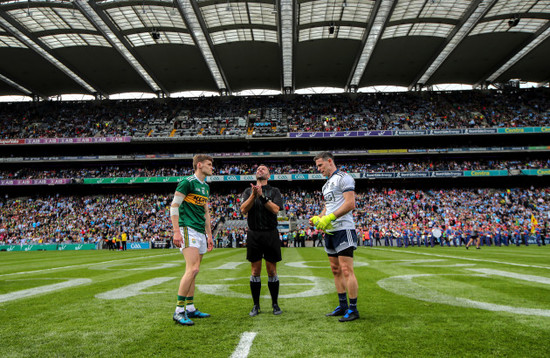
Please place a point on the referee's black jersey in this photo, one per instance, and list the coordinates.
(259, 217)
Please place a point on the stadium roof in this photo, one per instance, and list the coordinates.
(104, 47)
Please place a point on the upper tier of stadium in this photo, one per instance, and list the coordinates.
(163, 47)
(240, 117)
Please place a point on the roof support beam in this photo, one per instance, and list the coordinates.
(536, 39)
(197, 27)
(287, 37)
(37, 46)
(16, 85)
(111, 34)
(379, 17)
(475, 13)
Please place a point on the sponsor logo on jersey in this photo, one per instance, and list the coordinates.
(196, 199)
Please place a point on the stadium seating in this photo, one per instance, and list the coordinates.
(366, 166)
(69, 213)
(275, 116)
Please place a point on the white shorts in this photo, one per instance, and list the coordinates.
(193, 238)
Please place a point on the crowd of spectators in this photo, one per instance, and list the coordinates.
(387, 208)
(267, 115)
(80, 119)
(467, 109)
(145, 217)
(363, 166)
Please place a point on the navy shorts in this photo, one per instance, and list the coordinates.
(338, 241)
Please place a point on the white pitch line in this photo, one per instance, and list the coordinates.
(134, 289)
(243, 348)
(467, 258)
(517, 276)
(43, 289)
(83, 265)
(405, 286)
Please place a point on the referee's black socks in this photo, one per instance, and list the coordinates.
(273, 285)
(255, 288)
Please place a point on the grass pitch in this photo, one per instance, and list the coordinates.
(415, 302)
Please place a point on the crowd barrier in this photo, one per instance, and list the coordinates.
(284, 177)
(366, 133)
(48, 247)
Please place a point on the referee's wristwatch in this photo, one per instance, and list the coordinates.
(264, 199)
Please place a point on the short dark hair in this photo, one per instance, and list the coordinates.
(263, 165)
(199, 158)
(324, 155)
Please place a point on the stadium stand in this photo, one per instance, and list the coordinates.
(497, 180)
(277, 116)
(144, 217)
(371, 166)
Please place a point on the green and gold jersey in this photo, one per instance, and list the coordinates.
(192, 209)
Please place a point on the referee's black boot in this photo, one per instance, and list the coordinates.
(255, 311)
(276, 309)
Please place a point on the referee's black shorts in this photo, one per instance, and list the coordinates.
(263, 245)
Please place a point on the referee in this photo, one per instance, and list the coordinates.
(262, 202)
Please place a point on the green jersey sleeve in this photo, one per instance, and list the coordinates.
(183, 187)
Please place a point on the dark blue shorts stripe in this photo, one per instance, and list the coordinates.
(340, 240)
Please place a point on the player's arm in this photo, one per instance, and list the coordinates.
(175, 216)
(347, 206)
(248, 203)
(324, 222)
(208, 227)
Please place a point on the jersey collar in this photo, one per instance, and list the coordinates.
(202, 182)
(336, 171)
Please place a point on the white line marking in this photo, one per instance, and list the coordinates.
(467, 258)
(404, 286)
(245, 343)
(84, 265)
(116, 267)
(43, 289)
(306, 264)
(319, 286)
(415, 263)
(517, 276)
(229, 266)
(134, 289)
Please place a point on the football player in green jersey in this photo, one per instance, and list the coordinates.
(190, 217)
